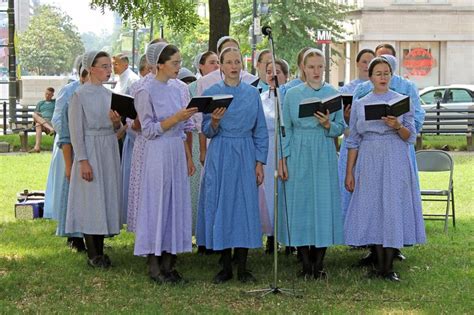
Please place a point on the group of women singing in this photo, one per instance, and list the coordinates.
(233, 202)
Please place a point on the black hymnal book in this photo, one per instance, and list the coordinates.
(207, 104)
(123, 104)
(346, 99)
(396, 107)
(312, 105)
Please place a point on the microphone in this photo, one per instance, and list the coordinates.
(266, 30)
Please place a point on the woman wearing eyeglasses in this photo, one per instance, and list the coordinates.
(163, 218)
(94, 201)
(385, 207)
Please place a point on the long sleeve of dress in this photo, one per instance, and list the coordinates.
(288, 128)
(64, 133)
(419, 111)
(76, 128)
(337, 125)
(353, 141)
(260, 135)
(151, 128)
(207, 129)
(409, 122)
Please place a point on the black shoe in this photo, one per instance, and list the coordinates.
(158, 278)
(107, 262)
(369, 260)
(320, 275)
(373, 274)
(96, 262)
(78, 244)
(246, 276)
(223, 276)
(392, 276)
(174, 277)
(398, 255)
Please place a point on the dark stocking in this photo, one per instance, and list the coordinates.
(304, 252)
(379, 253)
(389, 253)
(241, 256)
(166, 262)
(99, 244)
(91, 247)
(153, 265)
(226, 257)
(317, 258)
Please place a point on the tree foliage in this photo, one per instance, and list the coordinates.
(51, 43)
(294, 24)
(179, 14)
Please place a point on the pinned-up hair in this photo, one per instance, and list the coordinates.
(283, 65)
(364, 51)
(388, 46)
(228, 50)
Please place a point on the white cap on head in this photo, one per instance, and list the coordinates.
(392, 61)
(154, 51)
(197, 60)
(313, 50)
(185, 73)
(78, 62)
(88, 59)
(221, 41)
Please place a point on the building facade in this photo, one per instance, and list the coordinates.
(434, 39)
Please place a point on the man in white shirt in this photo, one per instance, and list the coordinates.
(125, 76)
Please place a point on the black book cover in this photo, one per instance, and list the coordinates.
(347, 99)
(207, 104)
(124, 105)
(396, 107)
(312, 105)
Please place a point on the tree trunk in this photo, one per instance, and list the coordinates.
(219, 21)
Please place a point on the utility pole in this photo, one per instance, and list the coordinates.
(12, 85)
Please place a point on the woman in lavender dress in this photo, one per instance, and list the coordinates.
(385, 208)
(163, 221)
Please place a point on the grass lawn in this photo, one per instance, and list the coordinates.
(39, 274)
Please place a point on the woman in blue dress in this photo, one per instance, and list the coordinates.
(313, 219)
(385, 208)
(232, 171)
(362, 61)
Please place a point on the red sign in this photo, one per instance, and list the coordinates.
(418, 62)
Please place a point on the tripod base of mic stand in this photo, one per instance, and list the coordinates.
(276, 290)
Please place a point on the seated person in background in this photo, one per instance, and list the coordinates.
(42, 117)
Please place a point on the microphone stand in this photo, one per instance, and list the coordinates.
(279, 133)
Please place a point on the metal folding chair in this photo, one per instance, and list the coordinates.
(438, 161)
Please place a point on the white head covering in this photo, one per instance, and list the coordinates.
(88, 59)
(222, 40)
(313, 50)
(78, 62)
(185, 73)
(392, 61)
(196, 61)
(154, 51)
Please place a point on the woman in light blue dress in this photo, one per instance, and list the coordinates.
(385, 208)
(313, 220)
(362, 61)
(233, 169)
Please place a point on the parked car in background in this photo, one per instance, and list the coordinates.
(456, 96)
